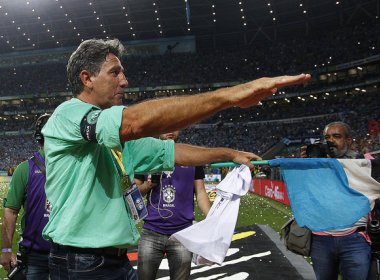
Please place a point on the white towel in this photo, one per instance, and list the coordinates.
(210, 239)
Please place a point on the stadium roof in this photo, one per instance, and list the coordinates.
(42, 24)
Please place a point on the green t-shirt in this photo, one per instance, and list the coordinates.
(16, 193)
(82, 181)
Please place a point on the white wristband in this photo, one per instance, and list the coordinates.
(6, 250)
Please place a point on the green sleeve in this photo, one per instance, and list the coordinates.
(16, 193)
(148, 155)
(108, 127)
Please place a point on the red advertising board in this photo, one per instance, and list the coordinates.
(272, 189)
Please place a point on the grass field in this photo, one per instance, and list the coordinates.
(253, 210)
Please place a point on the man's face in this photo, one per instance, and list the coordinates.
(171, 135)
(336, 135)
(108, 86)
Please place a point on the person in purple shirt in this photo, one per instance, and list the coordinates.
(27, 190)
(170, 204)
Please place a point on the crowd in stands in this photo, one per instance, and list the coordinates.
(258, 137)
(366, 103)
(262, 58)
(14, 150)
(256, 129)
(33, 79)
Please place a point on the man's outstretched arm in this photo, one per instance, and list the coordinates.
(159, 116)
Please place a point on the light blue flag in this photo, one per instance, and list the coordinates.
(320, 194)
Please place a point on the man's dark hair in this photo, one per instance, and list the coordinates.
(89, 56)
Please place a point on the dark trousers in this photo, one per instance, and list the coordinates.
(67, 263)
(348, 255)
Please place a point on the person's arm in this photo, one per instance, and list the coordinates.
(189, 155)
(303, 151)
(12, 205)
(202, 197)
(158, 116)
(144, 186)
(8, 259)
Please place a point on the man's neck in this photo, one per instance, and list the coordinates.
(350, 154)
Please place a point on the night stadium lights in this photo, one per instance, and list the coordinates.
(130, 23)
(271, 11)
(187, 10)
(98, 18)
(213, 14)
(157, 15)
(24, 34)
(241, 8)
(301, 5)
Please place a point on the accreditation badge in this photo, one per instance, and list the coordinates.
(135, 202)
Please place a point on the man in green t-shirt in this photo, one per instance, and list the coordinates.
(90, 225)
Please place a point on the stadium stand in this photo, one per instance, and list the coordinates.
(345, 64)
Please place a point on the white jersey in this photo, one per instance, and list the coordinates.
(210, 239)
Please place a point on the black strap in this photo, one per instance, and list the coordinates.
(39, 164)
(375, 170)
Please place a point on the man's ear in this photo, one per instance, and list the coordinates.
(349, 140)
(85, 77)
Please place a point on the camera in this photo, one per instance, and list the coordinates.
(320, 150)
(373, 230)
(156, 178)
(18, 272)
